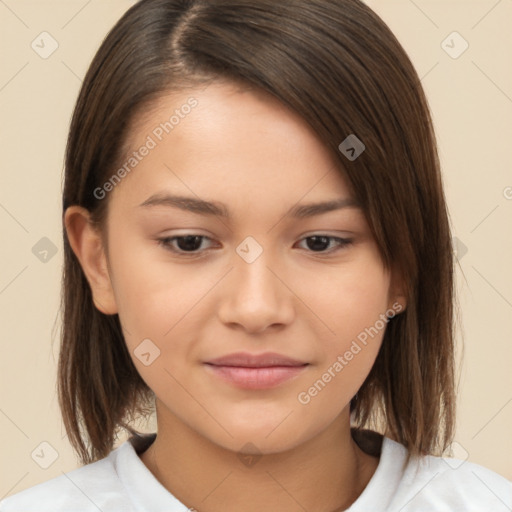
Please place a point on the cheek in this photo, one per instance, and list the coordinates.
(346, 299)
(354, 313)
(161, 306)
(151, 293)
(350, 307)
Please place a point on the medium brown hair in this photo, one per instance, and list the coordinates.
(336, 64)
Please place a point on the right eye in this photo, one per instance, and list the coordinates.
(187, 245)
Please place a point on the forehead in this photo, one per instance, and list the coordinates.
(241, 147)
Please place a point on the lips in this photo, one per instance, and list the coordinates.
(255, 371)
(247, 360)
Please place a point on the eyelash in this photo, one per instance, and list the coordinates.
(166, 244)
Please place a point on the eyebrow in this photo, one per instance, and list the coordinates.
(203, 207)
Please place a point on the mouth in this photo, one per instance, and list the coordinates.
(255, 371)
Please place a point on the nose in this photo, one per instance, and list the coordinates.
(255, 296)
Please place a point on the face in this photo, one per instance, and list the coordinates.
(192, 285)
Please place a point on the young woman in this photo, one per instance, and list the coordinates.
(257, 244)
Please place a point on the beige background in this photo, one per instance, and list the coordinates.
(471, 100)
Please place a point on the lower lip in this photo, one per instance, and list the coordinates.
(256, 378)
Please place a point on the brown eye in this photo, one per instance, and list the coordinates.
(319, 243)
(183, 244)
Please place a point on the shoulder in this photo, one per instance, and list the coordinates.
(449, 484)
(92, 487)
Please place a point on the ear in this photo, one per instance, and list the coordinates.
(397, 291)
(87, 244)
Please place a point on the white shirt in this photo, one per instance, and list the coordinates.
(122, 483)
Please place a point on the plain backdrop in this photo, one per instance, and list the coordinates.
(470, 95)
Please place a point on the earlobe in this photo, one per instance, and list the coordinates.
(397, 293)
(87, 244)
(399, 304)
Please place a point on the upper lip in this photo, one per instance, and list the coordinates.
(245, 359)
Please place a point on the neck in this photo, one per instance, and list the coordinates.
(209, 478)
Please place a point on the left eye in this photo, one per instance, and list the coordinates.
(320, 241)
(189, 244)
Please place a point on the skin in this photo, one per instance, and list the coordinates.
(242, 148)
